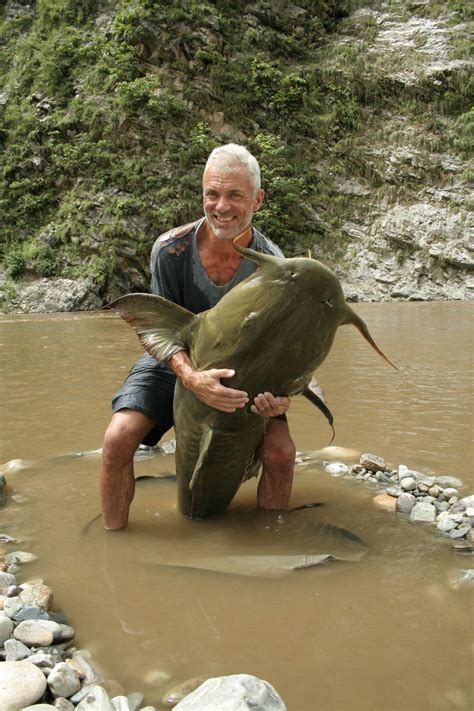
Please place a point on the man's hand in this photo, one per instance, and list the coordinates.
(206, 384)
(267, 405)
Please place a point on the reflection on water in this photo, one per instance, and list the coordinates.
(384, 633)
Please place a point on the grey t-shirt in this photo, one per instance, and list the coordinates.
(178, 274)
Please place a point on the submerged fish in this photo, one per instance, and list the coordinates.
(274, 329)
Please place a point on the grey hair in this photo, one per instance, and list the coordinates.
(231, 154)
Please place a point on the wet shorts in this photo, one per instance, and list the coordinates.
(149, 388)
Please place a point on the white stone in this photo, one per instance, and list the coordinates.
(96, 699)
(336, 468)
(6, 629)
(21, 684)
(408, 483)
(15, 650)
(446, 524)
(405, 503)
(135, 700)
(7, 579)
(63, 681)
(20, 557)
(238, 692)
(423, 512)
(12, 605)
(38, 595)
(120, 703)
(372, 462)
(37, 633)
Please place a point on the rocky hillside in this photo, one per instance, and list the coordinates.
(359, 113)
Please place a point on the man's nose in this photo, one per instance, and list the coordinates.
(222, 204)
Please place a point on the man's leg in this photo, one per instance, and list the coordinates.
(126, 430)
(277, 451)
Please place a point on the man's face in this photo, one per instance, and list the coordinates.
(229, 200)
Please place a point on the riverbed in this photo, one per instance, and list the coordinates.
(386, 633)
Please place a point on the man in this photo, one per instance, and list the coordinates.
(194, 266)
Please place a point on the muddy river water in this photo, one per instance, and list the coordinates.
(387, 633)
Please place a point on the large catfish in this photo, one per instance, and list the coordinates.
(274, 329)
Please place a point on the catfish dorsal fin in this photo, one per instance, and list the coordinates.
(261, 259)
(162, 326)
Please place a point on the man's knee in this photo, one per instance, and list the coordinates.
(279, 450)
(126, 430)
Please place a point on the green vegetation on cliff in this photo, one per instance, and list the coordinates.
(109, 109)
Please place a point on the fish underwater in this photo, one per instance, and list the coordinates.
(274, 330)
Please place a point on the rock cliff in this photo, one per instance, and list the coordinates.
(359, 113)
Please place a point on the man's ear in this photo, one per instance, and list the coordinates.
(259, 198)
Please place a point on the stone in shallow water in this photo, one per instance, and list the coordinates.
(384, 502)
(21, 684)
(405, 503)
(20, 557)
(449, 492)
(446, 524)
(135, 700)
(96, 699)
(177, 693)
(337, 469)
(408, 483)
(63, 681)
(372, 462)
(448, 481)
(38, 595)
(239, 692)
(460, 532)
(423, 512)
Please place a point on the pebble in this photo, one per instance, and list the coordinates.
(459, 578)
(15, 650)
(120, 703)
(372, 462)
(6, 628)
(38, 595)
(177, 693)
(408, 483)
(393, 491)
(96, 699)
(36, 633)
(21, 684)
(460, 532)
(61, 704)
(337, 468)
(448, 481)
(449, 492)
(20, 557)
(435, 491)
(405, 503)
(446, 524)
(135, 700)
(423, 512)
(7, 579)
(63, 681)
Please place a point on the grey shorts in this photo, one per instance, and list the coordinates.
(149, 388)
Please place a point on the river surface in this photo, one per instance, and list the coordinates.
(385, 633)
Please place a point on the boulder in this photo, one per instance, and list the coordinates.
(21, 684)
(238, 692)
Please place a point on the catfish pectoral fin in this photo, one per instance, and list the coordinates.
(162, 327)
(310, 394)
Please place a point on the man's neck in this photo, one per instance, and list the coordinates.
(207, 238)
